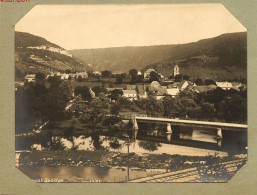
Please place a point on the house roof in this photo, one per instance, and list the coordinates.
(153, 88)
(111, 89)
(162, 91)
(224, 84)
(155, 83)
(149, 70)
(173, 91)
(129, 92)
(204, 88)
(177, 84)
(32, 76)
(131, 87)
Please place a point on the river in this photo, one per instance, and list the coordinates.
(150, 140)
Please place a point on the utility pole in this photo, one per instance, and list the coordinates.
(128, 143)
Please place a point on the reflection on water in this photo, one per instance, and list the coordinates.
(154, 140)
(84, 174)
(147, 140)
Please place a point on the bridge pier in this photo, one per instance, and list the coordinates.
(219, 143)
(135, 125)
(169, 129)
(219, 133)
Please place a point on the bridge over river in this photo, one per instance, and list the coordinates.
(190, 123)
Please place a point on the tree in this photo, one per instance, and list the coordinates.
(68, 71)
(106, 73)
(178, 78)
(75, 108)
(40, 77)
(115, 109)
(199, 82)
(185, 77)
(133, 73)
(115, 94)
(171, 108)
(18, 73)
(154, 107)
(209, 82)
(97, 110)
(207, 110)
(134, 77)
(97, 90)
(54, 81)
(80, 78)
(66, 91)
(150, 146)
(154, 76)
(119, 79)
(84, 92)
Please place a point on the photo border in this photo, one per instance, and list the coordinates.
(13, 181)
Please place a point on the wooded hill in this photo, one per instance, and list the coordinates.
(220, 58)
(32, 60)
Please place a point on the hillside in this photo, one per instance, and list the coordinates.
(222, 57)
(36, 54)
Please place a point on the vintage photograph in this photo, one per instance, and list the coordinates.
(146, 93)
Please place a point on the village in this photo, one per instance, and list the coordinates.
(152, 83)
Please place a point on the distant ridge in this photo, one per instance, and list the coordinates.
(221, 57)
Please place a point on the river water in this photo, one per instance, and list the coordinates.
(147, 140)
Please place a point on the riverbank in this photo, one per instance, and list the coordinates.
(118, 160)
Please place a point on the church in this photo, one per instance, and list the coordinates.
(176, 70)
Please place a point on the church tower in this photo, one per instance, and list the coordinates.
(176, 70)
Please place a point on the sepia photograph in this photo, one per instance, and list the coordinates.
(146, 93)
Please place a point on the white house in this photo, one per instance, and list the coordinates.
(64, 76)
(31, 78)
(147, 73)
(224, 85)
(173, 91)
(130, 94)
(139, 73)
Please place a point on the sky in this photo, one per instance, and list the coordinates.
(103, 26)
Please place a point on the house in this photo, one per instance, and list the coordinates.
(224, 85)
(237, 86)
(84, 75)
(97, 73)
(65, 76)
(31, 78)
(130, 94)
(173, 91)
(108, 89)
(72, 75)
(204, 88)
(131, 87)
(162, 92)
(141, 91)
(147, 73)
(180, 85)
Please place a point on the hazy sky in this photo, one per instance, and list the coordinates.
(101, 26)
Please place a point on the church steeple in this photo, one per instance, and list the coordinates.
(176, 70)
